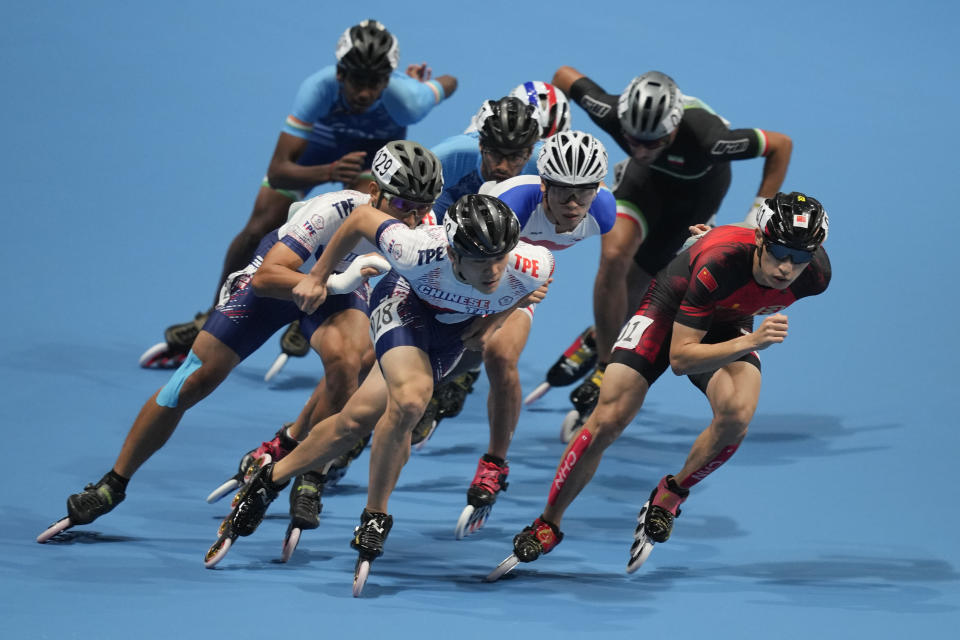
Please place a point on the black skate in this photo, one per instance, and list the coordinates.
(539, 538)
(292, 343)
(178, 339)
(338, 468)
(489, 480)
(368, 539)
(449, 397)
(83, 508)
(270, 451)
(654, 524)
(249, 507)
(584, 399)
(572, 365)
(305, 509)
(426, 426)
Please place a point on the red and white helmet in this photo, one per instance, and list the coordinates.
(553, 109)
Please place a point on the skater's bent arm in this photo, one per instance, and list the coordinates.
(779, 149)
(278, 274)
(362, 222)
(688, 355)
(285, 173)
(476, 336)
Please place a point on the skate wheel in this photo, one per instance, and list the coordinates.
(571, 424)
(463, 523)
(223, 490)
(537, 393)
(639, 555)
(59, 526)
(360, 576)
(505, 567)
(217, 552)
(642, 545)
(262, 461)
(479, 519)
(420, 445)
(276, 366)
(290, 544)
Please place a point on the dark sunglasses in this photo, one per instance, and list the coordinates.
(406, 205)
(512, 157)
(650, 145)
(780, 252)
(365, 81)
(582, 195)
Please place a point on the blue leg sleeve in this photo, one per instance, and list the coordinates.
(170, 393)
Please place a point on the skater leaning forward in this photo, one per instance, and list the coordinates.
(451, 288)
(696, 318)
(257, 302)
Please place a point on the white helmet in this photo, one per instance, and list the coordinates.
(553, 109)
(651, 106)
(572, 158)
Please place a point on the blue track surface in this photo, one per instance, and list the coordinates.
(134, 138)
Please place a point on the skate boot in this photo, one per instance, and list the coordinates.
(572, 365)
(447, 402)
(539, 538)
(338, 468)
(292, 343)
(270, 451)
(305, 508)
(655, 520)
(178, 339)
(451, 395)
(584, 399)
(427, 424)
(83, 508)
(249, 507)
(489, 480)
(368, 539)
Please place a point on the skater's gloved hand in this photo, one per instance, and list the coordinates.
(370, 270)
(309, 294)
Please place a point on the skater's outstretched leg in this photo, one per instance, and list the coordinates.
(209, 364)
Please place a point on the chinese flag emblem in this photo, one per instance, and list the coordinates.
(706, 279)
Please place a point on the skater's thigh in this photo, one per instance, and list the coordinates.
(409, 377)
(218, 359)
(621, 396)
(343, 336)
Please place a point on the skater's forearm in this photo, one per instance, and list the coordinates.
(362, 223)
(278, 274)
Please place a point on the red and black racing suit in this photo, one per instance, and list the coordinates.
(709, 287)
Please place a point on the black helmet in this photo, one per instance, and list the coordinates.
(481, 226)
(793, 220)
(407, 169)
(368, 49)
(508, 123)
